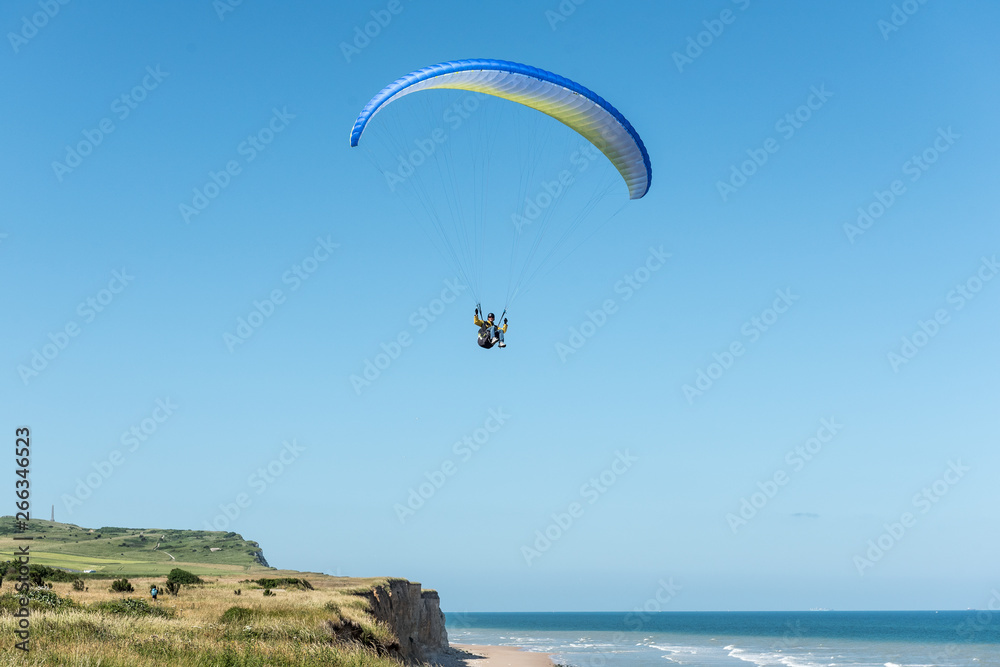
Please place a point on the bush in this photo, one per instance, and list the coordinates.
(36, 573)
(132, 607)
(238, 616)
(39, 599)
(283, 582)
(267, 592)
(121, 586)
(78, 584)
(39, 572)
(180, 576)
(46, 598)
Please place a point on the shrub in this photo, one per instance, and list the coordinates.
(282, 582)
(238, 616)
(78, 584)
(132, 607)
(40, 572)
(267, 592)
(121, 586)
(180, 576)
(47, 598)
(39, 599)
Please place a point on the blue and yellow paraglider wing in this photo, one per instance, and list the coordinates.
(568, 102)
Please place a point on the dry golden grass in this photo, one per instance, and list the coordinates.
(288, 628)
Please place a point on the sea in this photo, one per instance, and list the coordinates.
(743, 639)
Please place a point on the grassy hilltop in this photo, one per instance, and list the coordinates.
(240, 613)
(133, 551)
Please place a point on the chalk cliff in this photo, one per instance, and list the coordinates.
(414, 615)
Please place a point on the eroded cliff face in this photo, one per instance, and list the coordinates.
(414, 615)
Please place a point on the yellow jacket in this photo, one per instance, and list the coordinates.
(480, 323)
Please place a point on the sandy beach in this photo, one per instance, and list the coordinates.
(466, 655)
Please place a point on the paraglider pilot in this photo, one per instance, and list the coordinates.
(489, 333)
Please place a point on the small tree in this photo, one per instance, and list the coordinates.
(121, 586)
(78, 584)
(183, 577)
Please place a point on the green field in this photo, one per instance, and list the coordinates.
(232, 616)
(131, 551)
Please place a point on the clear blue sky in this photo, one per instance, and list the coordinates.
(331, 509)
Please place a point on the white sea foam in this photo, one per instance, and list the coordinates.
(763, 658)
(677, 650)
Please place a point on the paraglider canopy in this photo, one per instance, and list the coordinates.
(567, 101)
